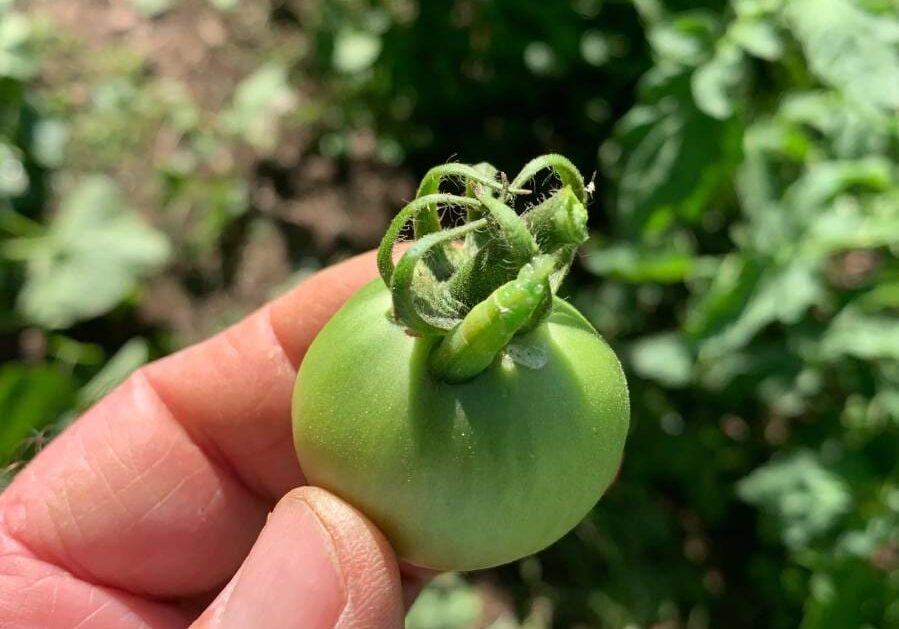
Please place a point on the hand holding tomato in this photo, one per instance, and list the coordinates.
(173, 500)
(473, 415)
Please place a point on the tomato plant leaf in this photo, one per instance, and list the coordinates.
(715, 83)
(152, 8)
(259, 102)
(632, 263)
(865, 336)
(744, 298)
(664, 358)
(448, 602)
(803, 496)
(758, 37)
(849, 48)
(90, 259)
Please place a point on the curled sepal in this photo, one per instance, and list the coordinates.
(428, 221)
(560, 221)
(442, 307)
(474, 343)
(562, 166)
(517, 237)
(411, 212)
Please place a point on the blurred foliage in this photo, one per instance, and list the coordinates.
(743, 260)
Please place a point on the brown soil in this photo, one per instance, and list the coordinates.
(302, 206)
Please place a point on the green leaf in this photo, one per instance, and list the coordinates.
(595, 48)
(259, 102)
(852, 224)
(632, 263)
(679, 160)
(224, 5)
(849, 48)
(745, 297)
(17, 58)
(129, 358)
(861, 543)
(865, 336)
(50, 139)
(93, 255)
(447, 602)
(715, 82)
(849, 594)
(785, 224)
(851, 129)
(684, 39)
(31, 397)
(800, 494)
(664, 358)
(13, 177)
(152, 8)
(757, 37)
(355, 50)
(814, 190)
(541, 59)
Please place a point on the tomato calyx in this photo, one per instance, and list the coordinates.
(480, 283)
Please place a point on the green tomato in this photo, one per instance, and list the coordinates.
(460, 476)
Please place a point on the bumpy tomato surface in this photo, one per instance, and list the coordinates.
(460, 476)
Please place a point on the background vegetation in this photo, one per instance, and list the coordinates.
(166, 166)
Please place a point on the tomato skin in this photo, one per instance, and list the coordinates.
(460, 476)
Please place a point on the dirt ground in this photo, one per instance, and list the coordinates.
(303, 208)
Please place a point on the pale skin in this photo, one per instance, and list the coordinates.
(178, 500)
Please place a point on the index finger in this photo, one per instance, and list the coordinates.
(162, 487)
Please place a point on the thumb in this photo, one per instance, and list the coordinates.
(317, 564)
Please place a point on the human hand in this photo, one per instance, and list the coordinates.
(140, 512)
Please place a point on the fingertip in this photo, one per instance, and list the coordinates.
(317, 564)
(374, 586)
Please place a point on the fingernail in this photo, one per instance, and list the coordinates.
(292, 577)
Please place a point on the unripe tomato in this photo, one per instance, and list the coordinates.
(460, 476)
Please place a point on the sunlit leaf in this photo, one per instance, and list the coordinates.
(684, 39)
(224, 5)
(852, 224)
(13, 177)
(804, 497)
(664, 358)
(259, 102)
(744, 298)
(17, 56)
(355, 50)
(595, 48)
(757, 37)
(541, 59)
(852, 129)
(865, 336)
(92, 256)
(715, 82)
(50, 139)
(849, 48)
(810, 207)
(448, 602)
(152, 8)
(635, 264)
